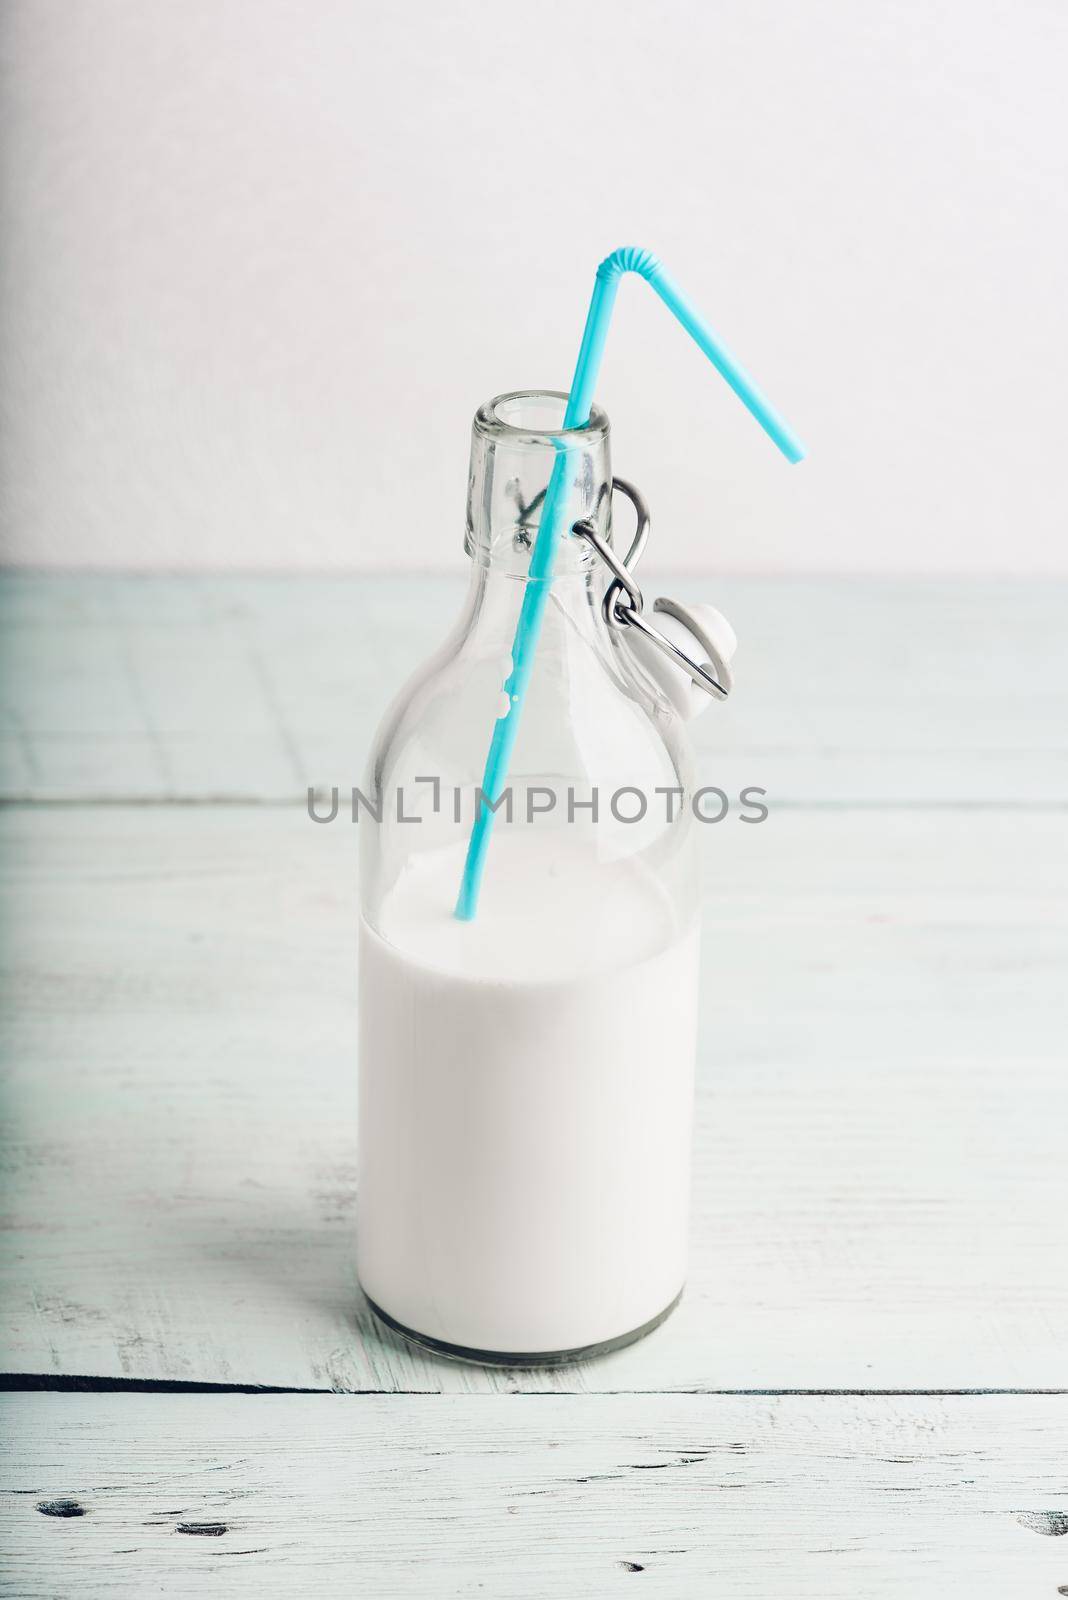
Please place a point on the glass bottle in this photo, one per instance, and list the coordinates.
(526, 1077)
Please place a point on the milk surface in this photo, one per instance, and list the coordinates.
(526, 1085)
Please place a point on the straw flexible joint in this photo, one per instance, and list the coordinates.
(629, 258)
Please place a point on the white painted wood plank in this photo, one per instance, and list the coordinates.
(848, 690)
(954, 1498)
(880, 1180)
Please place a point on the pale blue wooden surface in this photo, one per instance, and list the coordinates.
(880, 1183)
(849, 691)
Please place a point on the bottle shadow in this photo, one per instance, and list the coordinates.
(290, 1312)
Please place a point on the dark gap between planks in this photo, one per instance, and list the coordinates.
(25, 1382)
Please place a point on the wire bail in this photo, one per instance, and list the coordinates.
(712, 675)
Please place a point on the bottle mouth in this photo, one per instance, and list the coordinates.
(536, 417)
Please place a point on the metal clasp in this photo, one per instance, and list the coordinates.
(624, 605)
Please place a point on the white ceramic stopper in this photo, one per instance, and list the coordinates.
(687, 698)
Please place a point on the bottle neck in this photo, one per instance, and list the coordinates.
(518, 444)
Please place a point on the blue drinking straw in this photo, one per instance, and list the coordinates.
(539, 578)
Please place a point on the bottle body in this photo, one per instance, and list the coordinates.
(526, 1078)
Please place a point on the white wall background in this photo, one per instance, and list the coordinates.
(264, 257)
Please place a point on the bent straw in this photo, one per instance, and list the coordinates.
(536, 595)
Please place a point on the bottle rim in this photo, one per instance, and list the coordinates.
(505, 417)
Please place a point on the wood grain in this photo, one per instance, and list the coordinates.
(536, 1496)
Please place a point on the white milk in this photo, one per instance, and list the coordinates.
(526, 1084)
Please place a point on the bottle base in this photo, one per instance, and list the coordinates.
(510, 1358)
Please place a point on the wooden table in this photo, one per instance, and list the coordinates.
(864, 1391)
